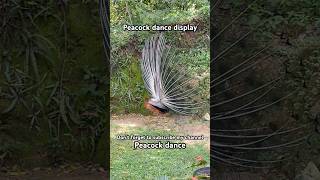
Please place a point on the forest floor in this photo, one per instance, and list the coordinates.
(122, 124)
(181, 125)
(68, 172)
(130, 163)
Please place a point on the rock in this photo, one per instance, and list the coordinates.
(311, 172)
(206, 117)
(202, 173)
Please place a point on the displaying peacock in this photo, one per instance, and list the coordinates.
(167, 85)
(236, 99)
(243, 133)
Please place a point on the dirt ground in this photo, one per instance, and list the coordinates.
(182, 125)
(77, 173)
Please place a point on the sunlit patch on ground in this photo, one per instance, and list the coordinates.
(127, 163)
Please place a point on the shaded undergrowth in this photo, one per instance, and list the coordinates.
(52, 93)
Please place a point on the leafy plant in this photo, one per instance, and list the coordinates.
(43, 87)
(127, 88)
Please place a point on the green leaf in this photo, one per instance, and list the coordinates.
(11, 106)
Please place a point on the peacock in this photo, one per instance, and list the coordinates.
(230, 144)
(240, 140)
(167, 85)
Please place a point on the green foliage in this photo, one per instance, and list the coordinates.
(290, 17)
(127, 90)
(291, 31)
(43, 85)
(190, 50)
(303, 64)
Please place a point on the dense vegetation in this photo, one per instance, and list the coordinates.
(288, 31)
(127, 89)
(52, 83)
(190, 50)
